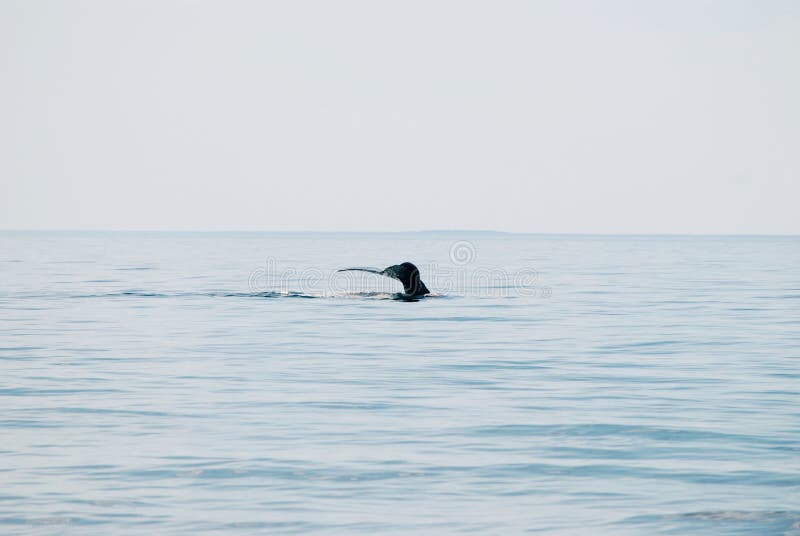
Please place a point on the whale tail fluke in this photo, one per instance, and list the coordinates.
(406, 273)
(361, 269)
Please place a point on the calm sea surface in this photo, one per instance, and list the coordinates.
(235, 383)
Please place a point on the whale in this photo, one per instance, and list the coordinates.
(406, 273)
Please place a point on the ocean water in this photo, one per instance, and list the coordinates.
(236, 383)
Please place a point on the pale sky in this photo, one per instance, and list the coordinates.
(560, 116)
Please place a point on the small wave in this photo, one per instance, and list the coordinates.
(782, 522)
(265, 294)
(145, 294)
(124, 294)
(262, 294)
(742, 515)
(297, 294)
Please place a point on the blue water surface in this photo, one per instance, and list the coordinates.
(179, 383)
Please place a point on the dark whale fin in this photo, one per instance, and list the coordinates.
(406, 273)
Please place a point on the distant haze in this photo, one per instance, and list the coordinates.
(560, 116)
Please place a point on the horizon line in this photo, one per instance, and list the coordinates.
(417, 231)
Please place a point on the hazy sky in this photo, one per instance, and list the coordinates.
(559, 116)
